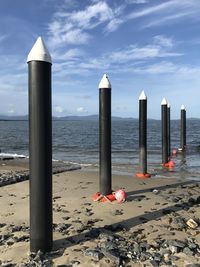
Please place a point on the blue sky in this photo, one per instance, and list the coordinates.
(149, 45)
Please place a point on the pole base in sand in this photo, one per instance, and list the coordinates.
(143, 175)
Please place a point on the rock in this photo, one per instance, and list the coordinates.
(93, 253)
(75, 263)
(178, 223)
(117, 212)
(166, 257)
(62, 227)
(177, 243)
(192, 223)
(173, 249)
(112, 255)
(155, 191)
(108, 245)
(10, 241)
(188, 251)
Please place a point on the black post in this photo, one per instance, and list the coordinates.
(169, 129)
(183, 128)
(164, 132)
(40, 147)
(105, 136)
(143, 133)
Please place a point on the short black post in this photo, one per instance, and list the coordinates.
(40, 147)
(142, 137)
(105, 175)
(183, 129)
(169, 129)
(164, 132)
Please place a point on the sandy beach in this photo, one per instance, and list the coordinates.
(157, 225)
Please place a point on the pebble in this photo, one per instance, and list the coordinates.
(192, 223)
(93, 253)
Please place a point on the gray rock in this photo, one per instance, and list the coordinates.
(177, 243)
(188, 251)
(112, 255)
(93, 253)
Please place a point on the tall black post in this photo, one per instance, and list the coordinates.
(40, 147)
(169, 129)
(183, 128)
(105, 136)
(143, 132)
(164, 131)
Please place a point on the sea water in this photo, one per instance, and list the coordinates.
(78, 141)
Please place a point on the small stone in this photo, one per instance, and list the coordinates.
(155, 191)
(178, 223)
(94, 253)
(188, 251)
(177, 243)
(166, 257)
(192, 223)
(117, 212)
(112, 255)
(173, 249)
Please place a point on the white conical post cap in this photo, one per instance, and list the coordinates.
(105, 83)
(183, 107)
(39, 52)
(164, 101)
(142, 96)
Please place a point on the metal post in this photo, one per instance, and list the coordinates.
(183, 128)
(105, 135)
(169, 129)
(40, 147)
(164, 131)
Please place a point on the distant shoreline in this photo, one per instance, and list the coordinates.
(81, 118)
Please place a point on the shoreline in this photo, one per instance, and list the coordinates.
(150, 228)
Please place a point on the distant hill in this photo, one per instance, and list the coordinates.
(13, 118)
(86, 118)
(66, 118)
(77, 118)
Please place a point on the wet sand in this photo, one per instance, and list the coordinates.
(150, 228)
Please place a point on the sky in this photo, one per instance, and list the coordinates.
(150, 45)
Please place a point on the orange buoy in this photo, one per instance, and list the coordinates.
(169, 164)
(101, 198)
(120, 195)
(174, 152)
(143, 175)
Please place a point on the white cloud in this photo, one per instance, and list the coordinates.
(114, 24)
(161, 47)
(3, 37)
(71, 54)
(163, 41)
(137, 1)
(73, 27)
(11, 111)
(81, 110)
(92, 16)
(59, 109)
(168, 11)
(135, 52)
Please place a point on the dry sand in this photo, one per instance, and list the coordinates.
(153, 211)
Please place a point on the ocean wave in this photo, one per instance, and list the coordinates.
(11, 156)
